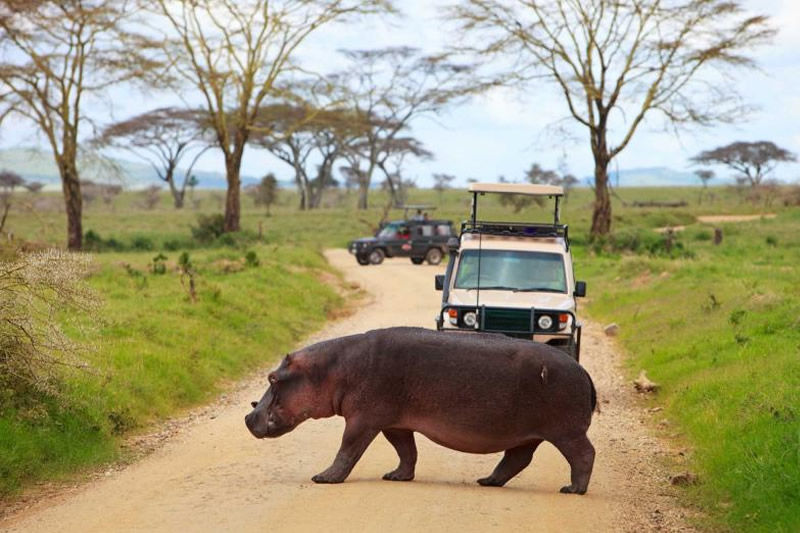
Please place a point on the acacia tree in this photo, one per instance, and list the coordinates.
(9, 180)
(265, 192)
(237, 53)
(162, 137)
(537, 175)
(441, 182)
(34, 187)
(54, 55)
(704, 175)
(615, 62)
(302, 136)
(754, 161)
(391, 87)
(391, 164)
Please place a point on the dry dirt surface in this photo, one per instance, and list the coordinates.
(210, 474)
(717, 219)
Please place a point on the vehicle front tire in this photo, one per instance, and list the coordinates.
(417, 260)
(434, 256)
(376, 256)
(363, 261)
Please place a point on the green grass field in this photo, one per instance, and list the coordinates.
(716, 326)
(158, 353)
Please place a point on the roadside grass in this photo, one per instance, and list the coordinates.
(721, 334)
(157, 353)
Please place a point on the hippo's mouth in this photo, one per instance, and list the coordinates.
(269, 430)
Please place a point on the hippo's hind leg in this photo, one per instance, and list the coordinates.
(355, 440)
(403, 442)
(579, 452)
(512, 463)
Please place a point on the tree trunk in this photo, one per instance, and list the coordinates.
(233, 197)
(363, 186)
(302, 188)
(363, 190)
(601, 217)
(73, 201)
(177, 195)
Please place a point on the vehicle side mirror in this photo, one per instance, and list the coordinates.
(439, 282)
(580, 289)
(453, 244)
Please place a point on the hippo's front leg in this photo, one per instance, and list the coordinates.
(357, 436)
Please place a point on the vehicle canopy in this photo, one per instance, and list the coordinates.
(419, 210)
(552, 229)
(550, 191)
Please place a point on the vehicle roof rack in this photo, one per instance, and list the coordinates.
(517, 229)
(424, 207)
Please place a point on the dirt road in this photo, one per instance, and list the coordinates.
(213, 476)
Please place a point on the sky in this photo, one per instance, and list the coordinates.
(503, 132)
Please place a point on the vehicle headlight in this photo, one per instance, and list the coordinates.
(545, 322)
(470, 319)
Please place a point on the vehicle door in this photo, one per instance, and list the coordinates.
(399, 243)
(422, 239)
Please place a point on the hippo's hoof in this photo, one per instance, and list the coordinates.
(320, 478)
(490, 482)
(571, 489)
(396, 475)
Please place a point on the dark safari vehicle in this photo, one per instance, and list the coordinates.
(419, 237)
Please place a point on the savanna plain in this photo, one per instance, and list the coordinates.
(185, 311)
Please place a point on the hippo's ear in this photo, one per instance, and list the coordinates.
(254, 404)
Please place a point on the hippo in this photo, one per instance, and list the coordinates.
(475, 393)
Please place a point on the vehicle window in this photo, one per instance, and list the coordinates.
(427, 231)
(511, 270)
(444, 229)
(394, 231)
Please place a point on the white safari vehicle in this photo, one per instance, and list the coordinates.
(514, 278)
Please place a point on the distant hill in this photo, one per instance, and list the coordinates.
(37, 165)
(657, 177)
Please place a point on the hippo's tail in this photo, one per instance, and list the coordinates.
(595, 407)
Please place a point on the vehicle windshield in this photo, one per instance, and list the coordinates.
(394, 230)
(511, 270)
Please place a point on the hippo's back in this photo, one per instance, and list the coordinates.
(475, 382)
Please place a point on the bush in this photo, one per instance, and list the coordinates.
(143, 243)
(159, 264)
(93, 242)
(703, 235)
(209, 228)
(172, 245)
(251, 259)
(34, 290)
(640, 241)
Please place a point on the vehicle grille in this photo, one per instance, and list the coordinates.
(511, 320)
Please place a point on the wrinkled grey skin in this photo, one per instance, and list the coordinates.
(476, 393)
